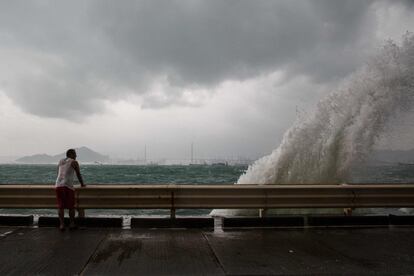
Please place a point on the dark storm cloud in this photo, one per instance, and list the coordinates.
(62, 59)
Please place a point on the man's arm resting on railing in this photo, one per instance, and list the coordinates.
(75, 165)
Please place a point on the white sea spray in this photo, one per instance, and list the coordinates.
(322, 146)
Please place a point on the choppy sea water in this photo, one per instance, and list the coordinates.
(122, 174)
(218, 175)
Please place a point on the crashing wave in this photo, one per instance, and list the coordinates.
(323, 146)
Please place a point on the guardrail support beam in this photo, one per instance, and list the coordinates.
(254, 197)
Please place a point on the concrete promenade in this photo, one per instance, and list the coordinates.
(282, 251)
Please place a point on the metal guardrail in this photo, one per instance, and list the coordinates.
(214, 196)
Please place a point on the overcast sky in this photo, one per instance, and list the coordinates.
(229, 76)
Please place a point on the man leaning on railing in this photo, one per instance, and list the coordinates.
(65, 192)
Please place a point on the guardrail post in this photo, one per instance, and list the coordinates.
(81, 211)
(172, 210)
(218, 224)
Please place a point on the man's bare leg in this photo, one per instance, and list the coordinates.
(61, 213)
(81, 213)
(72, 218)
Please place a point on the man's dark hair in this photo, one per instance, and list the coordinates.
(70, 152)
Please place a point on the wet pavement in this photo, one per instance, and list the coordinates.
(302, 251)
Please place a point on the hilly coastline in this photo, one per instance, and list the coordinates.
(85, 155)
(394, 156)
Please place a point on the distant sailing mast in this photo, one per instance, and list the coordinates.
(145, 154)
(192, 163)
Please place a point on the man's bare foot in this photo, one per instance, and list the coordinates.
(62, 228)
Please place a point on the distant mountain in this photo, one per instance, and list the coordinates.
(7, 159)
(84, 154)
(393, 156)
(37, 159)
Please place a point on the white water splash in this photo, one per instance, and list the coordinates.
(323, 146)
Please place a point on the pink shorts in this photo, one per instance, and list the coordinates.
(65, 198)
